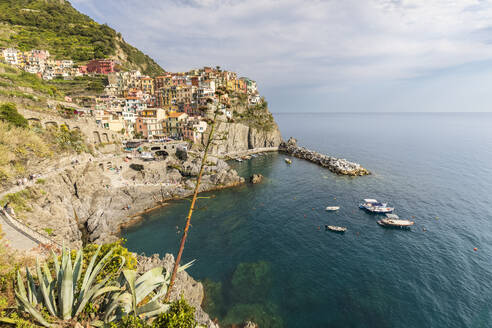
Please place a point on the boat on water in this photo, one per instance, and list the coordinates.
(374, 206)
(335, 228)
(392, 220)
(239, 159)
(333, 208)
(288, 161)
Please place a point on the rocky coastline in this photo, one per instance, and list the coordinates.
(92, 201)
(335, 165)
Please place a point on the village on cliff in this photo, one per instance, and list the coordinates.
(169, 106)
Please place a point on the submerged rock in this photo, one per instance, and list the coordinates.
(256, 178)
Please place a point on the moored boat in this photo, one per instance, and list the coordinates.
(333, 208)
(288, 161)
(373, 206)
(392, 220)
(335, 228)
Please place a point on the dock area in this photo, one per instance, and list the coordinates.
(335, 165)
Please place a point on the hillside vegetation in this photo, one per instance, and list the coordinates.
(56, 26)
(21, 144)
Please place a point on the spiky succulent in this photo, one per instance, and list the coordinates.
(65, 293)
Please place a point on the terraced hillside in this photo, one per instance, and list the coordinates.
(56, 26)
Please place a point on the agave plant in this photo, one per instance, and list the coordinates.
(65, 294)
(139, 296)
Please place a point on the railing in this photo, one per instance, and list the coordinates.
(27, 231)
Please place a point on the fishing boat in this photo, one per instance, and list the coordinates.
(373, 206)
(288, 161)
(392, 220)
(333, 208)
(335, 228)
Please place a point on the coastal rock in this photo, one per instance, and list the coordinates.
(256, 178)
(335, 165)
(185, 285)
(250, 324)
(93, 201)
(237, 137)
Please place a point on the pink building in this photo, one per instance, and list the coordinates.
(101, 66)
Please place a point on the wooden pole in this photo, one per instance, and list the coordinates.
(190, 212)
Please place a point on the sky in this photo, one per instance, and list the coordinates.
(323, 55)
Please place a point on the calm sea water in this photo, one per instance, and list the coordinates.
(259, 249)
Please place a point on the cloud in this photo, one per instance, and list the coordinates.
(330, 44)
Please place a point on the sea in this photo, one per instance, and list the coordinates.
(264, 255)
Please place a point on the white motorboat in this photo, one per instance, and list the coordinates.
(333, 208)
(392, 220)
(288, 161)
(335, 228)
(373, 206)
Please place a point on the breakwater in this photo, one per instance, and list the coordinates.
(335, 165)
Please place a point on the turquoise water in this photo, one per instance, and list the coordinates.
(434, 167)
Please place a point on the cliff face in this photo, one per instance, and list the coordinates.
(92, 200)
(239, 137)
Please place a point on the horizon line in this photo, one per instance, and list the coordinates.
(303, 113)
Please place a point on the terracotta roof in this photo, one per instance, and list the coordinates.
(175, 115)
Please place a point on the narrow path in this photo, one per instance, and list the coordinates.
(49, 172)
(16, 239)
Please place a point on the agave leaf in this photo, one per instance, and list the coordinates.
(32, 292)
(130, 277)
(92, 293)
(30, 309)
(148, 282)
(66, 292)
(21, 289)
(185, 266)
(122, 299)
(46, 291)
(151, 309)
(90, 275)
(77, 269)
(89, 269)
(47, 273)
(57, 264)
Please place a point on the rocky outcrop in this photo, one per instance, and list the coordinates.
(97, 198)
(238, 137)
(335, 165)
(185, 285)
(256, 178)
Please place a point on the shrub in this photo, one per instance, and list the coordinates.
(137, 167)
(130, 322)
(112, 268)
(180, 315)
(69, 139)
(9, 114)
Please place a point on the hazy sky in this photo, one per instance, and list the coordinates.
(315, 55)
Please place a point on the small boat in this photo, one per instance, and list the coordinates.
(239, 159)
(288, 161)
(335, 228)
(333, 208)
(392, 220)
(373, 206)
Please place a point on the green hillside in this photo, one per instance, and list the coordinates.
(56, 26)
